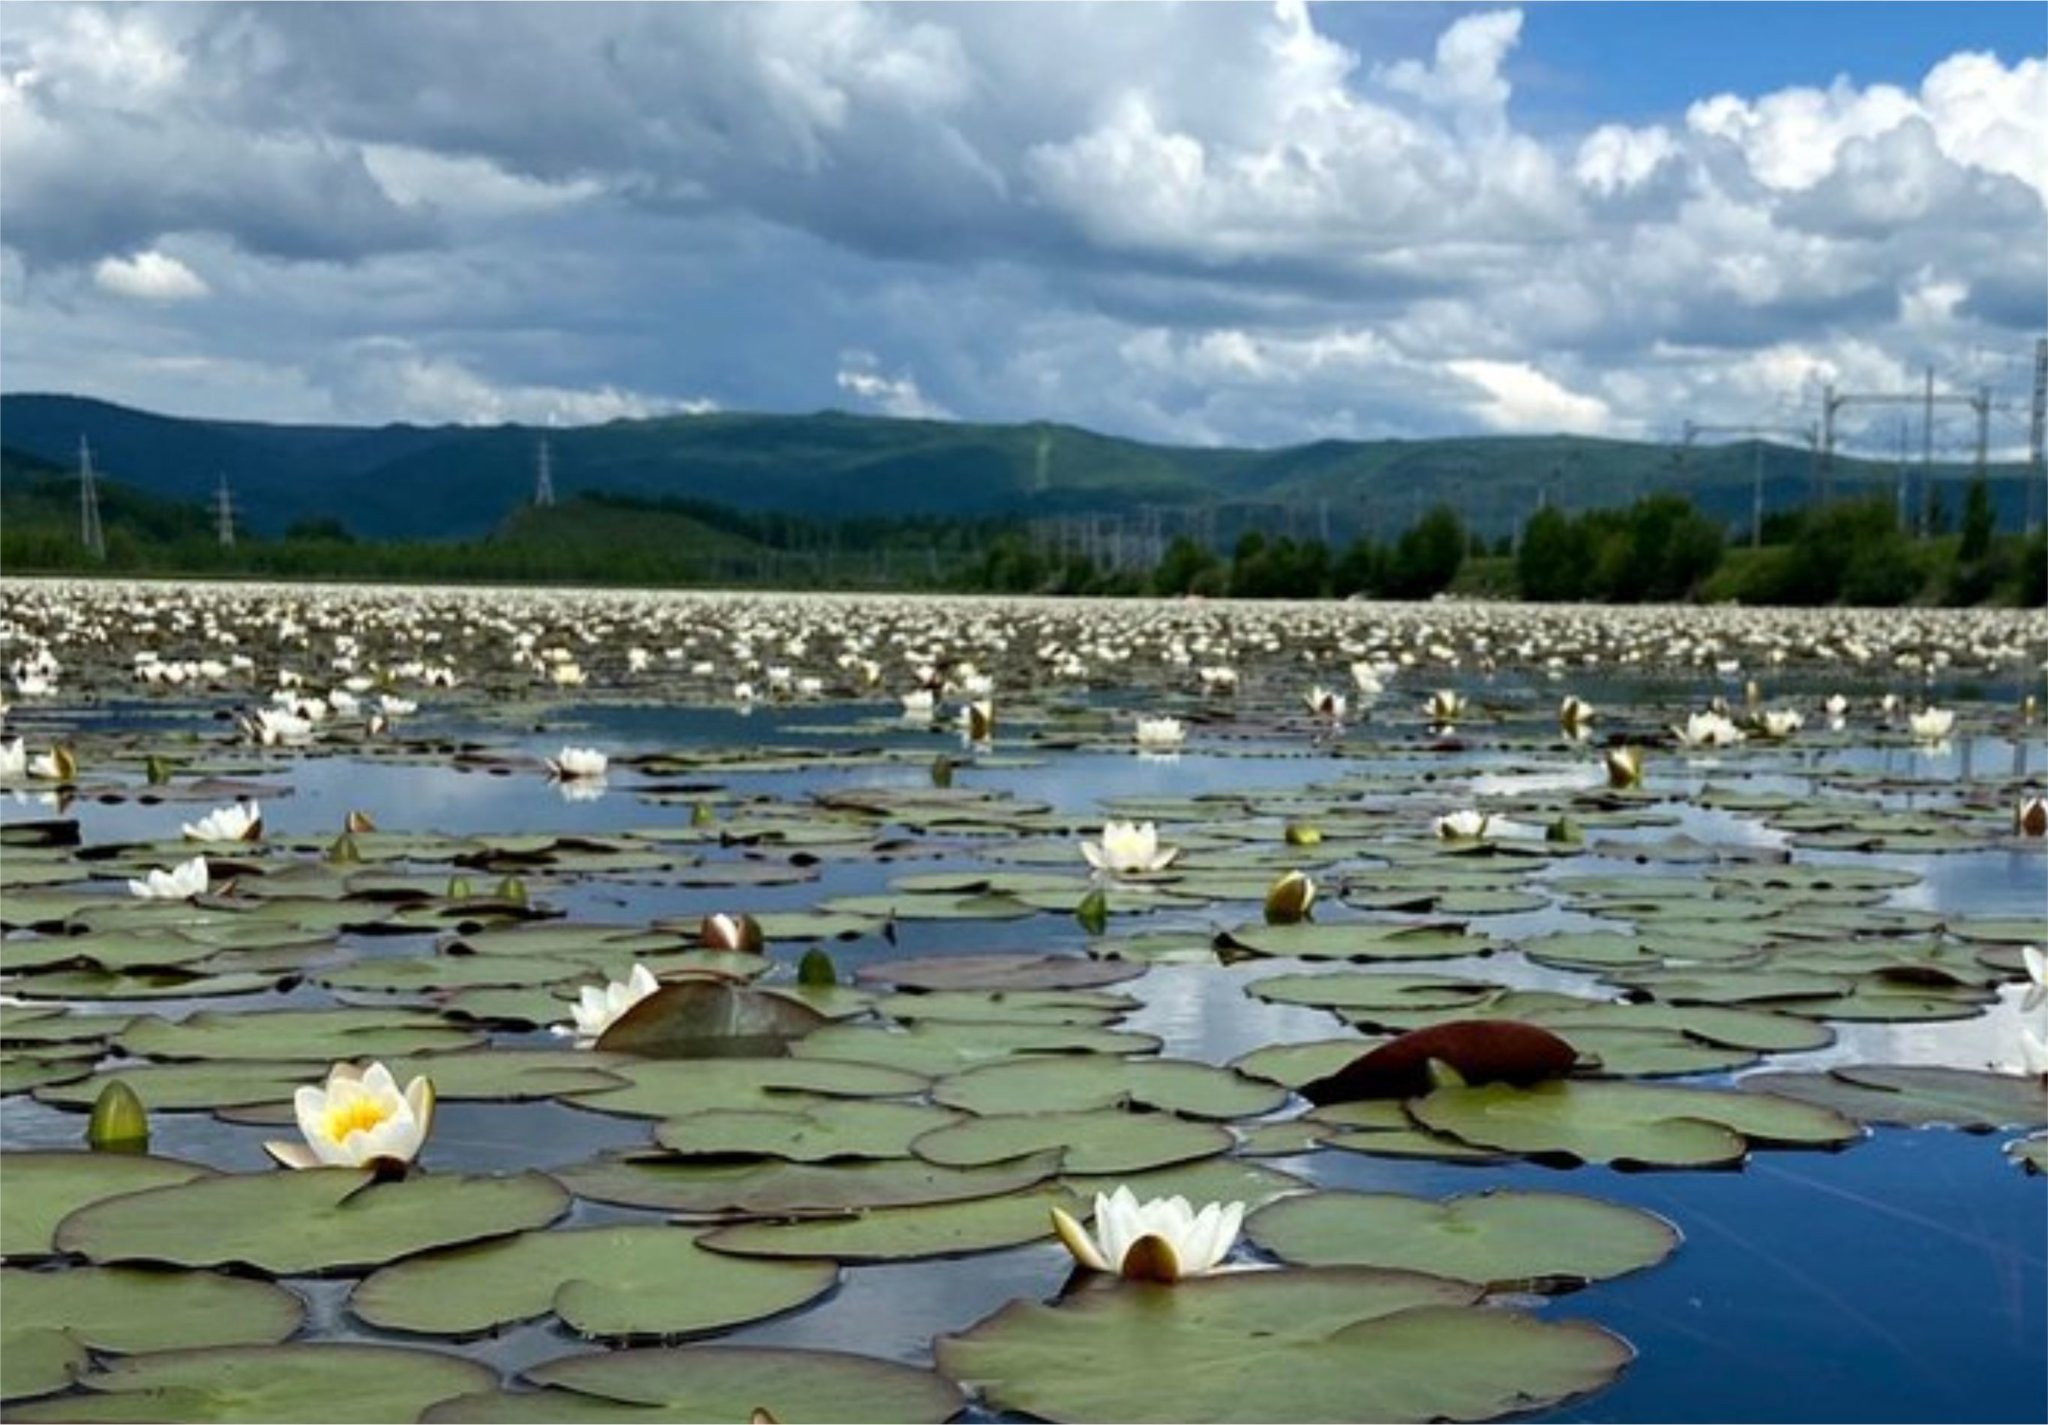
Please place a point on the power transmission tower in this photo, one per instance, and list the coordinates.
(224, 513)
(1832, 402)
(89, 532)
(544, 478)
(1693, 430)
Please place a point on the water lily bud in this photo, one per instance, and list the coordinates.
(702, 815)
(738, 933)
(1289, 899)
(1093, 912)
(511, 889)
(155, 770)
(2030, 817)
(459, 888)
(942, 771)
(1301, 833)
(358, 821)
(119, 1123)
(63, 764)
(2029, 709)
(342, 851)
(1624, 767)
(816, 968)
(1564, 832)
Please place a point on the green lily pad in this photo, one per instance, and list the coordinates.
(318, 1034)
(1297, 1064)
(39, 1189)
(2030, 1152)
(1502, 1240)
(1102, 1141)
(940, 1047)
(298, 1381)
(125, 1310)
(1650, 1053)
(1365, 990)
(36, 1360)
(1089, 1007)
(317, 1219)
(1357, 940)
(1914, 1095)
(178, 1087)
(1004, 971)
(853, 1128)
(1628, 1123)
(668, 1088)
(1310, 1344)
(612, 1282)
(901, 1234)
(772, 1187)
(719, 1384)
(1077, 1083)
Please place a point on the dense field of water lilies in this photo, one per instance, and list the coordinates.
(517, 1005)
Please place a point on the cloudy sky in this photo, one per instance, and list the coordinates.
(1201, 223)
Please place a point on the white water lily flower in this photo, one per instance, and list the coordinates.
(2030, 817)
(1161, 1240)
(359, 1119)
(1836, 706)
(1708, 729)
(1218, 678)
(1931, 724)
(274, 727)
(1573, 714)
(13, 758)
(2033, 1052)
(596, 1009)
(979, 720)
(578, 762)
(1161, 733)
(918, 704)
(1366, 678)
(1324, 702)
(396, 707)
(1445, 706)
(1780, 722)
(2037, 977)
(1463, 825)
(1129, 847)
(56, 765)
(181, 882)
(242, 821)
(1624, 766)
(566, 675)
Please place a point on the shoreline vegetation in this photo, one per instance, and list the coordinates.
(1659, 549)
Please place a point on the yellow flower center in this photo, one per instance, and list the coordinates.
(357, 1115)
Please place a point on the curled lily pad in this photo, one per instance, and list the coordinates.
(1638, 1124)
(1324, 1343)
(709, 1018)
(601, 1281)
(39, 1190)
(126, 1310)
(1479, 1051)
(1502, 1240)
(319, 1219)
(298, 1381)
(717, 1384)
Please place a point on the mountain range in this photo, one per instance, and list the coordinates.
(453, 481)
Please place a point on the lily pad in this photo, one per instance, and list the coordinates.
(1479, 1051)
(613, 1282)
(39, 1190)
(125, 1310)
(1079, 1083)
(668, 1088)
(772, 1187)
(709, 1018)
(1020, 971)
(1311, 1344)
(940, 1047)
(1916, 1094)
(299, 1381)
(317, 1219)
(1502, 1240)
(316, 1034)
(854, 1128)
(36, 1360)
(1357, 940)
(719, 1384)
(1102, 1141)
(901, 1234)
(1627, 1123)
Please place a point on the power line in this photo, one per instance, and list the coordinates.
(543, 477)
(89, 532)
(223, 513)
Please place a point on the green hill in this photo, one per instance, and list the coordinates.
(460, 482)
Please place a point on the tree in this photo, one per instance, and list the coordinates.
(1979, 520)
(1553, 562)
(1183, 567)
(1428, 555)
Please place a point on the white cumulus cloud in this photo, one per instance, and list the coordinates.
(150, 277)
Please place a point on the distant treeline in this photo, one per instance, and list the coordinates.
(1659, 548)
